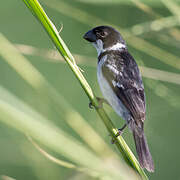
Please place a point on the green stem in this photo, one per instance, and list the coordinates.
(40, 14)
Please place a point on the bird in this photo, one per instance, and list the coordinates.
(121, 84)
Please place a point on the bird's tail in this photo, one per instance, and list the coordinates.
(144, 155)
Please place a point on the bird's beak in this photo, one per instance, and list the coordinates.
(90, 36)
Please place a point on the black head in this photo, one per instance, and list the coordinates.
(108, 35)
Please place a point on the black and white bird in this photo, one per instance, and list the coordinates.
(121, 84)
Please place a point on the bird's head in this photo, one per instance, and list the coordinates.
(105, 38)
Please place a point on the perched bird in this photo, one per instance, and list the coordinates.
(121, 84)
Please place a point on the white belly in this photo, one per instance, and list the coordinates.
(109, 94)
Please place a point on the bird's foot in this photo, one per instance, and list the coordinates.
(119, 133)
(100, 103)
(91, 106)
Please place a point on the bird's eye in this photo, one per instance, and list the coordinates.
(101, 34)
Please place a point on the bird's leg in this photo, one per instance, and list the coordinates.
(100, 102)
(120, 131)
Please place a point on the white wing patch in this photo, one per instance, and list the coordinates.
(117, 84)
(114, 83)
(120, 85)
(112, 68)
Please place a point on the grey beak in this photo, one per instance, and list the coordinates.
(90, 36)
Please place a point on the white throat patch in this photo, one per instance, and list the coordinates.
(99, 47)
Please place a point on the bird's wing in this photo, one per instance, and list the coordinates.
(122, 74)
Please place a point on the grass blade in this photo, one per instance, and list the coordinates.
(20, 116)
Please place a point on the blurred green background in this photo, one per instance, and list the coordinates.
(153, 37)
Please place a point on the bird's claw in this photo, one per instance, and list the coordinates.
(91, 106)
(100, 103)
(119, 133)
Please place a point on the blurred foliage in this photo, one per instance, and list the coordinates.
(153, 37)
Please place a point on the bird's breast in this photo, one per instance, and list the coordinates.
(108, 92)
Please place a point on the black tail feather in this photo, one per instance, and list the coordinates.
(144, 155)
